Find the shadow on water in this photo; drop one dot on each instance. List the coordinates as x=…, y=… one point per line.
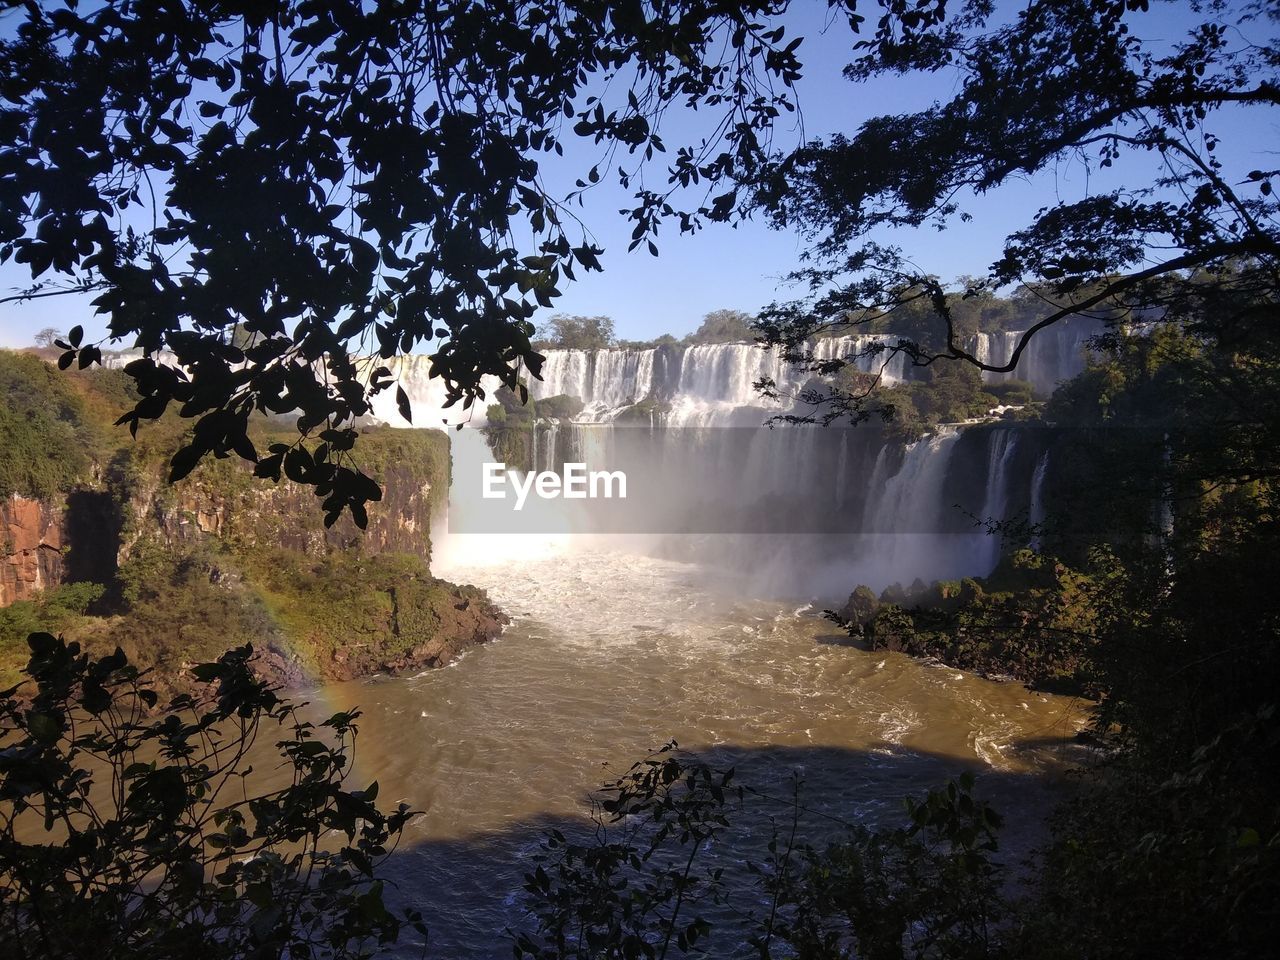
x=469, y=889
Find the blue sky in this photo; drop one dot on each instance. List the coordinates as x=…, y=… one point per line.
x=743, y=267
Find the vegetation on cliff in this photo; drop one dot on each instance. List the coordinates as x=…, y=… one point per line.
x=219, y=559
x=50, y=433
x=1034, y=619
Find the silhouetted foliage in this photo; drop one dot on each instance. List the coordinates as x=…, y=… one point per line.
x=267, y=192
x=931, y=888
x=1053, y=82
x=335, y=180
x=648, y=877
x=636, y=888
x=126, y=833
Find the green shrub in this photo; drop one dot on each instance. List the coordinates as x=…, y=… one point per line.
x=52, y=611
x=42, y=421
x=1011, y=392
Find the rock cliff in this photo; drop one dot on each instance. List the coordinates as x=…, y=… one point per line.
x=32, y=532
x=106, y=551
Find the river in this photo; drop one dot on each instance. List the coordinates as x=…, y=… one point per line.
x=610, y=654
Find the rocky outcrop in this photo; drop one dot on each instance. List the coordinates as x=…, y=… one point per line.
x=861, y=607
x=33, y=539
x=466, y=619
x=87, y=533
x=180, y=573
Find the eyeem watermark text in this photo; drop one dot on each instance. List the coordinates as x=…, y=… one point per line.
x=577, y=483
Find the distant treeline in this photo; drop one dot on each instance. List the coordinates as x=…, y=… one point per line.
x=973, y=308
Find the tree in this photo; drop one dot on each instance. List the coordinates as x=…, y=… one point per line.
x=1164, y=452
x=1088, y=82
x=340, y=179
x=723, y=326
x=578, y=333
x=47, y=337
x=344, y=180
x=126, y=833
x=654, y=863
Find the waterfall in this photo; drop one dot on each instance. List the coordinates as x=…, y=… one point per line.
x=995, y=509
x=1037, y=513
x=564, y=372
x=604, y=380
x=907, y=520
x=685, y=421
x=426, y=395
x=705, y=384
x=892, y=368
x=545, y=438
x=909, y=501
x=842, y=472
x=1053, y=355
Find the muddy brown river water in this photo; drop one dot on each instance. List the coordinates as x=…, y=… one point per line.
x=612, y=654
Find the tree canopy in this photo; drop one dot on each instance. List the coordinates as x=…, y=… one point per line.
x=578, y=333
x=47, y=337
x=182, y=854
x=722, y=326
x=1098, y=83
x=339, y=179
x=271, y=200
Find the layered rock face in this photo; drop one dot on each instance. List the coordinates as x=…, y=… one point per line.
x=222, y=559
x=83, y=536
x=227, y=504
x=33, y=539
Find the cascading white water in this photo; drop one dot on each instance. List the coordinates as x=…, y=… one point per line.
x=427, y=395
x=862, y=352
x=842, y=472
x=903, y=497
x=713, y=382
x=911, y=495
x=1051, y=356
x=906, y=515
x=1036, y=515
x=717, y=381
x=897, y=511
x=1003, y=445
x=564, y=372
x=604, y=380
